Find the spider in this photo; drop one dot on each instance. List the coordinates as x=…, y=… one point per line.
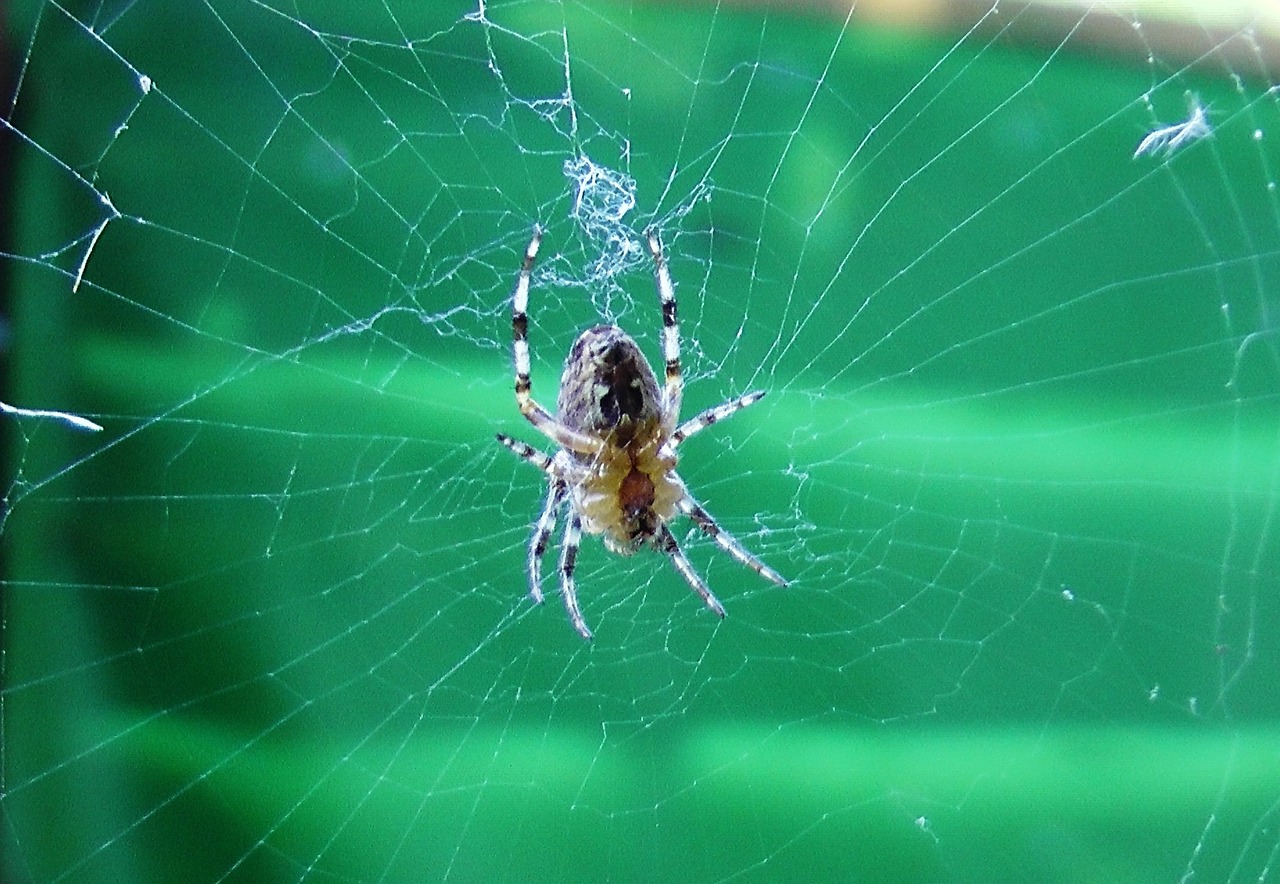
x=617, y=435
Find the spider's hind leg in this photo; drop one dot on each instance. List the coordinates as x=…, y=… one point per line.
x=568, y=561
x=556, y=493
x=542, y=536
x=668, y=544
x=727, y=541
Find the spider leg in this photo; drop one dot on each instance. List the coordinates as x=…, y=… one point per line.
x=529, y=407
x=726, y=541
x=556, y=494
x=542, y=536
x=568, y=561
x=674, y=389
x=711, y=415
x=668, y=544
x=526, y=452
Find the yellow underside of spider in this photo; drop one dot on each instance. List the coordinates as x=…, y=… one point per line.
x=625, y=490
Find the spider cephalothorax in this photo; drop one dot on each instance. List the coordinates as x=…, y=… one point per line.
x=617, y=432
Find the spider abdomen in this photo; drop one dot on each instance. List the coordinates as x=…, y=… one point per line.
x=608, y=388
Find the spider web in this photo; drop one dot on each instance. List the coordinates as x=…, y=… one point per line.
x=1009, y=281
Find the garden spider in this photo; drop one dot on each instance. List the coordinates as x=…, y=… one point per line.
x=617, y=436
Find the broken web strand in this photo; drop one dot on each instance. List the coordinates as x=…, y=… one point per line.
x=1168, y=139
x=72, y=420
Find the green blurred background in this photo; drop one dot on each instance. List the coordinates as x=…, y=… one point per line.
x=1019, y=455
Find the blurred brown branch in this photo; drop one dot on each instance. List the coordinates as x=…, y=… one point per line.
x=1242, y=36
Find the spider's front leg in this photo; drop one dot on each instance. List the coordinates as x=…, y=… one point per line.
x=674, y=389
x=529, y=407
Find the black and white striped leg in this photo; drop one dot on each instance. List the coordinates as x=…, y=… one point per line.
x=667, y=543
x=726, y=541
x=527, y=452
x=569, y=561
x=556, y=493
x=711, y=415
x=542, y=536
x=674, y=389
x=520, y=324
x=529, y=407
